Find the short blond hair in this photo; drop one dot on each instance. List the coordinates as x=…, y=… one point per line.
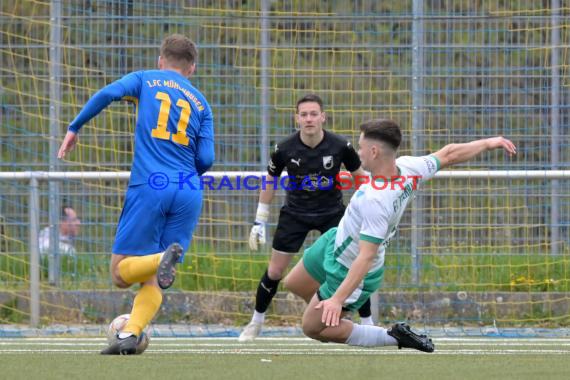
x=179, y=51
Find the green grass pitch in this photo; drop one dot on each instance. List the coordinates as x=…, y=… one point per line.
x=285, y=358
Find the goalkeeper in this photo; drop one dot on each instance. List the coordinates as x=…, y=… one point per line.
x=312, y=154
x=347, y=263
x=173, y=132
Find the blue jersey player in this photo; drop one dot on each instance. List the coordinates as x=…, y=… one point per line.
x=174, y=137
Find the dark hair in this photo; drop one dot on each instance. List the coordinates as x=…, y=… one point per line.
x=384, y=130
x=310, y=98
x=179, y=50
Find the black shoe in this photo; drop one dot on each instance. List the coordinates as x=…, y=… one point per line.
x=127, y=346
x=165, y=273
x=408, y=339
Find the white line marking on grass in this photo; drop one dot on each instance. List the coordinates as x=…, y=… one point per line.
x=40, y=340
x=288, y=346
x=490, y=340
x=344, y=352
x=49, y=344
x=48, y=351
x=278, y=352
x=197, y=343
x=493, y=340
x=251, y=346
x=297, y=352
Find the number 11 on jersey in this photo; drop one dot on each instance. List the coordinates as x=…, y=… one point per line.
x=160, y=132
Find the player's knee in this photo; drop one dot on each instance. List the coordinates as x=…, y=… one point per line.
x=311, y=331
x=278, y=264
x=118, y=281
x=275, y=273
x=120, y=284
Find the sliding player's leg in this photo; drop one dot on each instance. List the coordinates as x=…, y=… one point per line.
x=303, y=284
x=324, y=224
x=354, y=334
x=300, y=282
x=309, y=273
x=346, y=332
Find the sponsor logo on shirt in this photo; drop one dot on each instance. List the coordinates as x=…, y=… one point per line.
x=297, y=161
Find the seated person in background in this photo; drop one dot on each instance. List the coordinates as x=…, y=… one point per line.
x=68, y=231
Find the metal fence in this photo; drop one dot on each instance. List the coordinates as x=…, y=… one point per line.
x=447, y=71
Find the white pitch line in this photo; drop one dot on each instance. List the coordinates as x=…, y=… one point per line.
x=244, y=346
x=49, y=344
x=166, y=343
x=359, y=352
x=491, y=340
x=301, y=352
x=50, y=351
x=294, y=338
x=344, y=350
x=534, y=344
x=288, y=346
x=41, y=340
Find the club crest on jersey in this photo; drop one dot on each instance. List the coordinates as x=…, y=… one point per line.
x=328, y=162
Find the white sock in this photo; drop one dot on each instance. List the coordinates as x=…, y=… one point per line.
x=366, y=321
x=124, y=335
x=258, y=317
x=370, y=336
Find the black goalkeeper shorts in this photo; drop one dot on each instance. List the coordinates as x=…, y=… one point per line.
x=292, y=228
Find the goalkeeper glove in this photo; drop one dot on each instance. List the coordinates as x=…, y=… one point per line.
x=257, y=234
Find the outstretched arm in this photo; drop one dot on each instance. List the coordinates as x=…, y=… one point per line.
x=456, y=153
x=129, y=85
x=96, y=104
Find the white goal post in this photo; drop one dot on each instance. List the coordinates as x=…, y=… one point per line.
x=497, y=174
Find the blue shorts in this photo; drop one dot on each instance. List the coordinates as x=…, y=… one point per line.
x=153, y=219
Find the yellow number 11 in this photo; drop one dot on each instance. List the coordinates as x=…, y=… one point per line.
x=160, y=131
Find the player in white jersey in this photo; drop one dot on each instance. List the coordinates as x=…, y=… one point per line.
x=345, y=265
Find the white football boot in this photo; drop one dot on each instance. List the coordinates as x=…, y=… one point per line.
x=250, y=332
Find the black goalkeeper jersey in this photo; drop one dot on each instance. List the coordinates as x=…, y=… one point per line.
x=312, y=187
